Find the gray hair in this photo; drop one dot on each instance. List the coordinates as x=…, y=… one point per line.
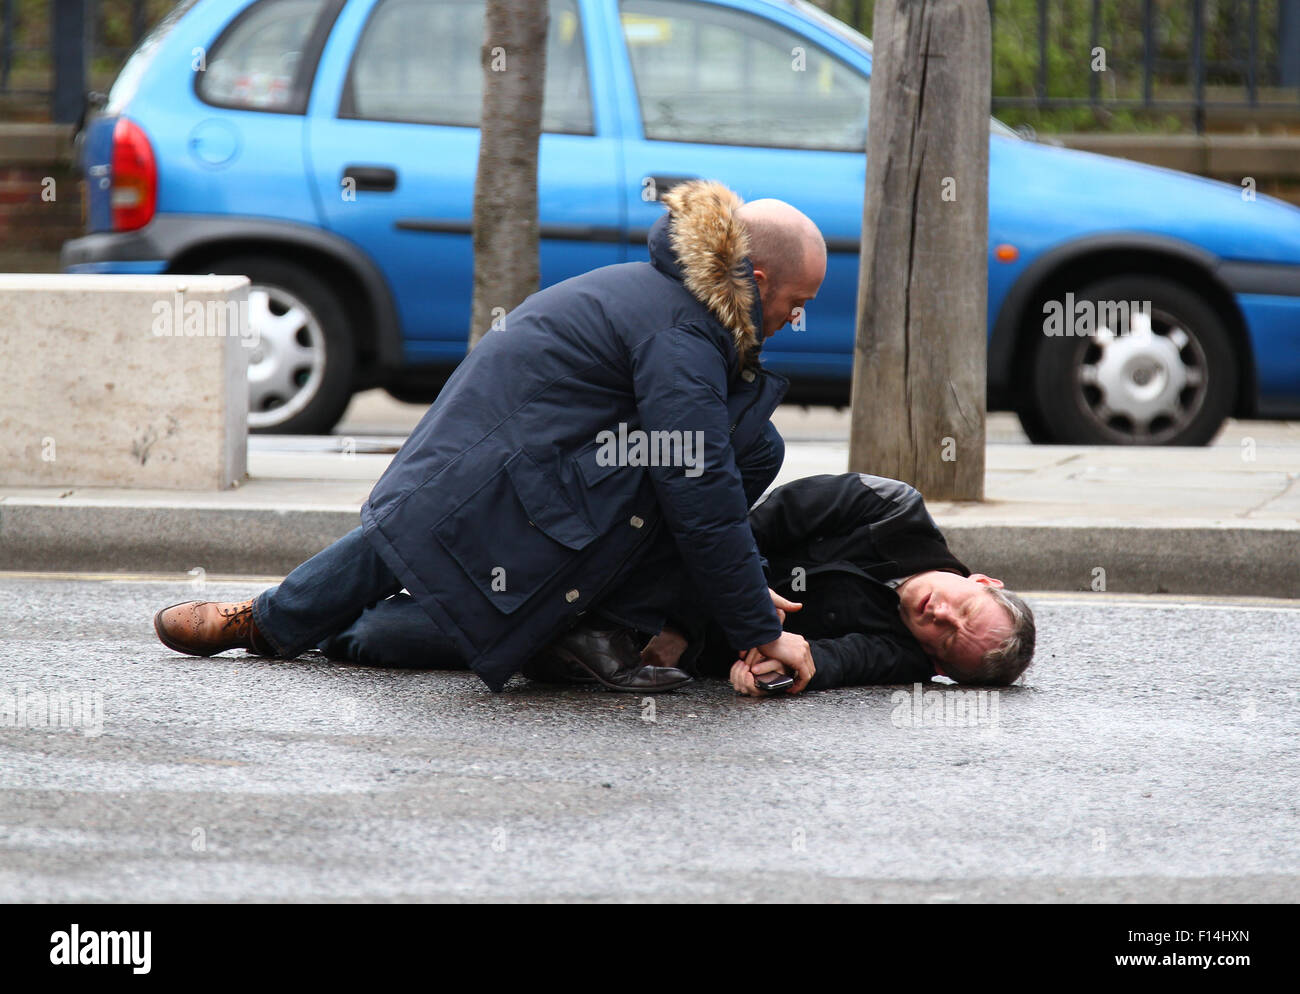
x=1004, y=664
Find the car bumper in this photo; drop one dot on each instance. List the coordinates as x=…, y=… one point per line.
x=1273, y=323
x=114, y=252
x=148, y=268
x=1268, y=295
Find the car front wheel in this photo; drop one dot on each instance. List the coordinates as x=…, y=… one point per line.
x=1135, y=361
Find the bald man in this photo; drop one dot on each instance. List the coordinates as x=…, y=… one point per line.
x=789, y=259
x=613, y=419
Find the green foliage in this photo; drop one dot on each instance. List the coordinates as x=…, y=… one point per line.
x=112, y=27
x=1070, y=57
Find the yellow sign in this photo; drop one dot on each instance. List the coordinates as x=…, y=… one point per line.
x=641, y=29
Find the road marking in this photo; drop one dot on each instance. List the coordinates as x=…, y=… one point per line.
x=1190, y=602
x=134, y=577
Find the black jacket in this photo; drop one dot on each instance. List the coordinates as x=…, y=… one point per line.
x=840, y=539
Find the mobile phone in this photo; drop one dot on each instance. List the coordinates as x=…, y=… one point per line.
x=773, y=682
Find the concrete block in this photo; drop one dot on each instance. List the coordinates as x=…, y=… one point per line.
x=124, y=381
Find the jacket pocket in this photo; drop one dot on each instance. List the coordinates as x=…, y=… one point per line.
x=514, y=533
x=588, y=460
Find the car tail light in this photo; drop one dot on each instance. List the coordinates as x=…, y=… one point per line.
x=135, y=177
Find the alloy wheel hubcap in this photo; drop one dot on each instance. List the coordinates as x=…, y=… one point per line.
x=1142, y=384
x=287, y=365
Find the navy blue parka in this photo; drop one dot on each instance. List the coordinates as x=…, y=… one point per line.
x=499, y=514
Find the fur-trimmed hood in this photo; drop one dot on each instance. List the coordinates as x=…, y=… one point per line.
x=702, y=243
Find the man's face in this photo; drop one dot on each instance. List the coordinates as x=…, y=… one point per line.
x=779, y=302
x=953, y=617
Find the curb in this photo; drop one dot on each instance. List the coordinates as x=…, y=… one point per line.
x=1234, y=559
x=123, y=538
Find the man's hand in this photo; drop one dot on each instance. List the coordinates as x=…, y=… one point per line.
x=790, y=649
x=743, y=675
x=782, y=605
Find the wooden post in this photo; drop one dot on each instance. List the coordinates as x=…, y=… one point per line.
x=919, y=367
x=506, y=265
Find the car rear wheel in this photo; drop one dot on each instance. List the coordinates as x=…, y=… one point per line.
x=1163, y=374
x=300, y=369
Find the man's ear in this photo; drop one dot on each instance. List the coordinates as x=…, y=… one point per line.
x=760, y=277
x=988, y=581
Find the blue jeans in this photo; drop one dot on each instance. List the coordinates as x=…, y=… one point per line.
x=346, y=602
x=321, y=604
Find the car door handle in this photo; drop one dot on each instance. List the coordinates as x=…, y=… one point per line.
x=374, y=179
x=661, y=183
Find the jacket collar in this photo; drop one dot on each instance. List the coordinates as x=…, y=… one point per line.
x=701, y=243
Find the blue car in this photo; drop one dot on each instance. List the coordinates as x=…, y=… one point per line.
x=327, y=150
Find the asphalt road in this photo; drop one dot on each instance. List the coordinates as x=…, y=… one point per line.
x=1152, y=755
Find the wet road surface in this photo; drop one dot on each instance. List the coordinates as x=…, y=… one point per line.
x=1152, y=755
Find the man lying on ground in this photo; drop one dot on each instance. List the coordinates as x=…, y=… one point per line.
x=862, y=578
x=883, y=599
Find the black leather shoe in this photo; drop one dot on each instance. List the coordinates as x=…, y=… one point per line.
x=548, y=667
x=609, y=657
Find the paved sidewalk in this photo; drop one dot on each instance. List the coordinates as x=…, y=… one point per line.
x=1223, y=519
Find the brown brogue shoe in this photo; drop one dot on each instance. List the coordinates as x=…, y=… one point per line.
x=204, y=628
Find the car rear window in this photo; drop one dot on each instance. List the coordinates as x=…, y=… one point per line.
x=266, y=57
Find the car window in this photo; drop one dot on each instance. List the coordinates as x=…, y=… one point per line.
x=419, y=61
x=712, y=74
x=265, y=58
